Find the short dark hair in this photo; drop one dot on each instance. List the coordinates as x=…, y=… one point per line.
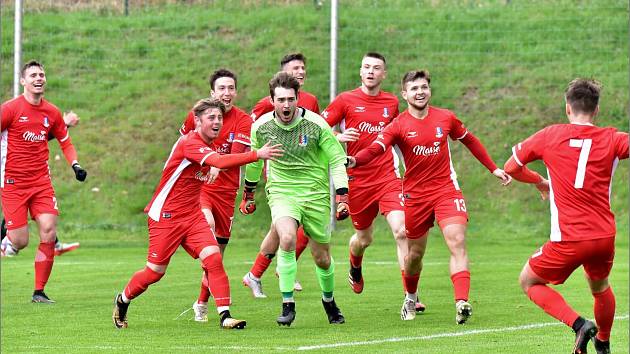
x=205, y=103
x=284, y=80
x=414, y=75
x=219, y=74
x=29, y=64
x=376, y=55
x=291, y=57
x=583, y=95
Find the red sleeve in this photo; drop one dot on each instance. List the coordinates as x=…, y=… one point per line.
x=189, y=124
x=521, y=173
x=335, y=112
x=242, y=140
x=458, y=131
x=379, y=146
x=479, y=151
x=530, y=149
x=229, y=160
x=60, y=131
x=263, y=106
x=621, y=145
x=7, y=117
x=316, y=106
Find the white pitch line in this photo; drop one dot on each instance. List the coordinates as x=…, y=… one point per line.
x=439, y=335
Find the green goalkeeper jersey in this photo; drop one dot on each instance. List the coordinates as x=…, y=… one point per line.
x=309, y=148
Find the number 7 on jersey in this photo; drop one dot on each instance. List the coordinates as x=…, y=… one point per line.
x=585, y=150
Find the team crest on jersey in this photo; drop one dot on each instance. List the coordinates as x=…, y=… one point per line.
x=438, y=132
x=231, y=137
x=303, y=140
x=46, y=124
x=385, y=112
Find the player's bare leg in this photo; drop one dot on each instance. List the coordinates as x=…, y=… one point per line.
x=358, y=243
x=413, y=268
x=455, y=237
x=15, y=241
x=287, y=267
x=325, y=270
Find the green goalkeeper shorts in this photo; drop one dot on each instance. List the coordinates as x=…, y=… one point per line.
x=314, y=215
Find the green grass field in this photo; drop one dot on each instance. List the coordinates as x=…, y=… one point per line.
x=501, y=66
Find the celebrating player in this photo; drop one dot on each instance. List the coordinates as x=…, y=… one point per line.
x=175, y=216
x=71, y=119
x=430, y=185
x=362, y=114
x=294, y=64
x=297, y=189
x=580, y=160
x=219, y=194
x=26, y=186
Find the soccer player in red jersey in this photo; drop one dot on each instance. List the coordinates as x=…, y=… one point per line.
x=71, y=119
x=175, y=216
x=362, y=114
x=25, y=178
x=219, y=194
x=580, y=159
x=430, y=185
x=294, y=64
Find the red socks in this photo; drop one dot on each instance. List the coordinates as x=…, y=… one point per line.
x=140, y=281
x=43, y=263
x=355, y=261
x=204, y=292
x=604, y=310
x=217, y=279
x=552, y=303
x=260, y=265
x=301, y=243
x=461, y=285
x=410, y=283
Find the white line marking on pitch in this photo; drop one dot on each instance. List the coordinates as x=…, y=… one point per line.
x=439, y=335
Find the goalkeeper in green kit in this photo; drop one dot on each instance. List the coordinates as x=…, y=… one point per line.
x=297, y=188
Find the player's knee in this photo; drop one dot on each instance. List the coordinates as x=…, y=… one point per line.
x=47, y=233
x=400, y=234
x=18, y=242
x=207, y=251
x=322, y=260
x=364, y=239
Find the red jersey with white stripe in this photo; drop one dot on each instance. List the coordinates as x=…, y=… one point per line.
x=425, y=148
x=25, y=128
x=580, y=160
x=369, y=115
x=234, y=132
x=177, y=194
x=305, y=100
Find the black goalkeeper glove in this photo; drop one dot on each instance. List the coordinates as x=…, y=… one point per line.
x=79, y=172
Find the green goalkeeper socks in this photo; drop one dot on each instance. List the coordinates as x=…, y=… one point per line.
x=287, y=269
x=326, y=278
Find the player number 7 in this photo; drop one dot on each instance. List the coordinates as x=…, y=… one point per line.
x=585, y=149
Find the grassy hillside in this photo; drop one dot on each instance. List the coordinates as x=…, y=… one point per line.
x=501, y=67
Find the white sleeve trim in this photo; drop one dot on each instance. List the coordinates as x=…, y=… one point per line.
x=242, y=142
x=205, y=157
x=518, y=162
x=463, y=136
x=65, y=138
x=381, y=144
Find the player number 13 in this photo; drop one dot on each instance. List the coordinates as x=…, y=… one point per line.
x=585, y=149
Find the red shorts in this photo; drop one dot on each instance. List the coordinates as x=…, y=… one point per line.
x=18, y=202
x=421, y=213
x=555, y=261
x=221, y=203
x=193, y=234
x=366, y=202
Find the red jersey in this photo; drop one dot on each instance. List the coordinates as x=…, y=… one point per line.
x=580, y=160
x=177, y=194
x=305, y=100
x=233, y=138
x=369, y=115
x=426, y=151
x=24, y=146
